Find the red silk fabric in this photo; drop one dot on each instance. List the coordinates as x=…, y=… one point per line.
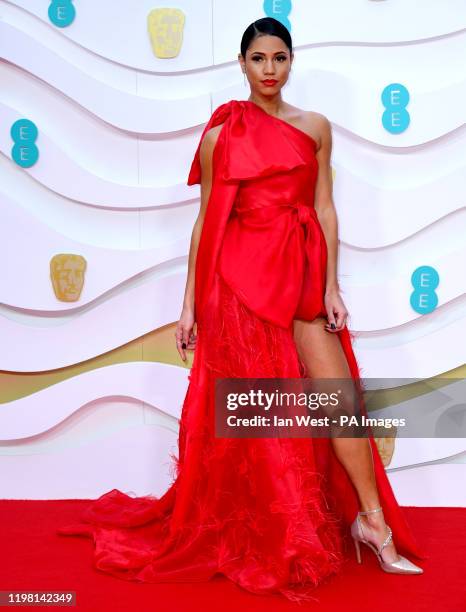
x=264, y=213
x=271, y=514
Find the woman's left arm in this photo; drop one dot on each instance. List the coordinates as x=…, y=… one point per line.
x=326, y=213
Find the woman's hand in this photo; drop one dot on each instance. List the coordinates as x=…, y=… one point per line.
x=185, y=338
x=336, y=310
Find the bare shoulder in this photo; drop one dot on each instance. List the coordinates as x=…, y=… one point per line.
x=319, y=128
x=316, y=125
x=321, y=121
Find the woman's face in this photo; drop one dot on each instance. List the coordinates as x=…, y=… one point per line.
x=267, y=64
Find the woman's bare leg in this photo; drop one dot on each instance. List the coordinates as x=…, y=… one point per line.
x=324, y=357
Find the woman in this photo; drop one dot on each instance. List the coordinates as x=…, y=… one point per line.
x=272, y=514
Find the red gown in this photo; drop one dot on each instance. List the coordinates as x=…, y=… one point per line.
x=271, y=514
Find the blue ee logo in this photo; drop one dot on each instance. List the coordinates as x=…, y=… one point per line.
x=425, y=280
x=61, y=13
x=279, y=10
x=395, y=98
x=24, y=135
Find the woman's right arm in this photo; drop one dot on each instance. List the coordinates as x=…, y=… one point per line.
x=184, y=334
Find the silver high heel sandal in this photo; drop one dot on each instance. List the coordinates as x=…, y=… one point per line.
x=401, y=566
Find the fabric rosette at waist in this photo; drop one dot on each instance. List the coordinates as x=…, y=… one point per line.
x=267, y=252
x=304, y=212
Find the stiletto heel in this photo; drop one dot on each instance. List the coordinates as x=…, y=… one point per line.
x=358, y=551
x=401, y=566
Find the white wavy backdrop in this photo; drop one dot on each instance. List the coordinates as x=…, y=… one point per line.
x=117, y=131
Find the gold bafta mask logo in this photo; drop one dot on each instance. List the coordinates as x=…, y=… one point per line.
x=386, y=448
x=165, y=27
x=67, y=275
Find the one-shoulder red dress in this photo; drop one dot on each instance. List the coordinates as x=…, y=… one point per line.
x=271, y=514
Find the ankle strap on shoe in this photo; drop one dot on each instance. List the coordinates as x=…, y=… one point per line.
x=379, y=509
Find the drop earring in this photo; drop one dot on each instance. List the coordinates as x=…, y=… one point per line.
x=244, y=75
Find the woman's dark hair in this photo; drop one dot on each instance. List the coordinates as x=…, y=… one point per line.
x=266, y=25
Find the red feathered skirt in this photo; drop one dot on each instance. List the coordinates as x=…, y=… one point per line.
x=271, y=514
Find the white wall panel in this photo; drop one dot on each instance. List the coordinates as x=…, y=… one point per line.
x=118, y=128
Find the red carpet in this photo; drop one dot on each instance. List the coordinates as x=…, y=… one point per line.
x=33, y=557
